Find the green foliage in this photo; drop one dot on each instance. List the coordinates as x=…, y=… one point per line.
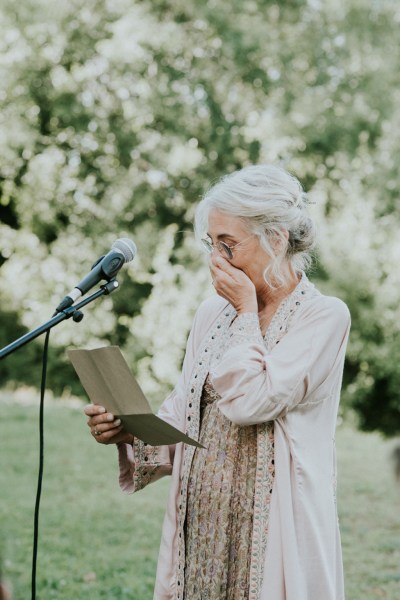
x=116, y=116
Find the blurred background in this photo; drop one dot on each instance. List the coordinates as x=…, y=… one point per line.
x=117, y=115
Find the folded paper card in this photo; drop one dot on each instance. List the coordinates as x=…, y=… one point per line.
x=108, y=381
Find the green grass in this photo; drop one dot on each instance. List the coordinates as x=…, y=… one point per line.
x=369, y=512
x=96, y=542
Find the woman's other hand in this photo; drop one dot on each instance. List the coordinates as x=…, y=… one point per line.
x=233, y=285
x=104, y=427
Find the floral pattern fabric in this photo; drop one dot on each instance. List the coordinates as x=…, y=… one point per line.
x=220, y=507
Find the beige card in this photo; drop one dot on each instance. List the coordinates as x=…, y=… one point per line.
x=108, y=381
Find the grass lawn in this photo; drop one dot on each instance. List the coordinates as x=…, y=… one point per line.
x=97, y=543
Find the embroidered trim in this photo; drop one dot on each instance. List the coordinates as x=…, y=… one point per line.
x=283, y=316
x=265, y=476
x=197, y=379
x=142, y=476
x=146, y=463
x=244, y=329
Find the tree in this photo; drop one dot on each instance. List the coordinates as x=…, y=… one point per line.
x=117, y=118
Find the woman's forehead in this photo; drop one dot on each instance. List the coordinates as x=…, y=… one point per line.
x=220, y=223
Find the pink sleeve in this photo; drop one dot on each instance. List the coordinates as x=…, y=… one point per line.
x=257, y=385
x=140, y=463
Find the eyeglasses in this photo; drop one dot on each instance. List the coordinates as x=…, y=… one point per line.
x=222, y=247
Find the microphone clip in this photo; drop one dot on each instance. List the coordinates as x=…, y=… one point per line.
x=110, y=286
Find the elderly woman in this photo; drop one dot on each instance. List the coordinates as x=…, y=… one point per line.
x=253, y=514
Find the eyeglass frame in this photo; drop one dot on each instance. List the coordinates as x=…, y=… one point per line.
x=222, y=246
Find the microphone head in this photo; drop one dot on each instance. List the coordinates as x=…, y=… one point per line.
x=126, y=247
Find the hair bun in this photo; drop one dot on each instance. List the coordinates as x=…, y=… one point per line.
x=302, y=239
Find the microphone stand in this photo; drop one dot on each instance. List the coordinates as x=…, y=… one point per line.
x=67, y=313
x=60, y=315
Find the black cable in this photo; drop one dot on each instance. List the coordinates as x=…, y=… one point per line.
x=41, y=462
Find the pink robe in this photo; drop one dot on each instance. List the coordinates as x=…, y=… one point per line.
x=292, y=377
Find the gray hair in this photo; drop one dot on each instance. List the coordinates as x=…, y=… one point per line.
x=270, y=201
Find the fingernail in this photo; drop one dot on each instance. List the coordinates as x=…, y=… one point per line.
x=102, y=409
x=117, y=422
x=110, y=417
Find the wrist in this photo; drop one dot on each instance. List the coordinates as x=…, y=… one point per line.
x=127, y=439
x=247, y=308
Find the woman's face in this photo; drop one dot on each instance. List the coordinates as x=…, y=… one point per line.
x=248, y=256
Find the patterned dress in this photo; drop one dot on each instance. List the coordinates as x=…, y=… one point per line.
x=220, y=504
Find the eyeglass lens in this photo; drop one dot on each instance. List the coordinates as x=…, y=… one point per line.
x=225, y=248
x=221, y=247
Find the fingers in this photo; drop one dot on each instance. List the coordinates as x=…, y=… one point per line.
x=108, y=436
x=93, y=409
x=218, y=272
x=116, y=436
x=102, y=422
x=97, y=414
x=99, y=419
x=102, y=418
x=233, y=284
x=222, y=280
x=222, y=269
x=104, y=427
x=215, y=267
x=223, y=264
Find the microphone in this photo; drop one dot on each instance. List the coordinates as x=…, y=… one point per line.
x=106, y=267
